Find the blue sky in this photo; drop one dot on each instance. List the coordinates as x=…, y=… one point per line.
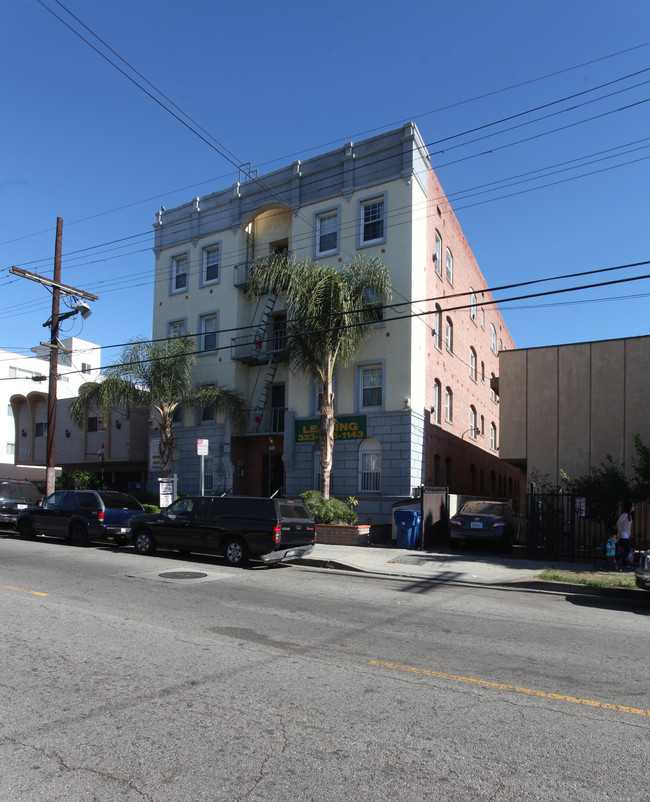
x=276, y=82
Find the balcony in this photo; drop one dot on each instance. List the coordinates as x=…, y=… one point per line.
x=242, y=275
x=267, y=421
x=255, y=349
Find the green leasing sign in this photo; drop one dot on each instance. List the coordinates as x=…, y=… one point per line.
x=350, y=427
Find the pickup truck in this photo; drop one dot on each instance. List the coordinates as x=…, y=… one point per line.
x=80, y=516
x=235, y=527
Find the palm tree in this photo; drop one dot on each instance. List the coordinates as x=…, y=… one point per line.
x=157, y=376
x=330, y=310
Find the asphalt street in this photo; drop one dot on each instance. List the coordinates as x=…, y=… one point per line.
x=126, y=677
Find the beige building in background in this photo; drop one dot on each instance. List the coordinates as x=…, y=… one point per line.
x=566, y=407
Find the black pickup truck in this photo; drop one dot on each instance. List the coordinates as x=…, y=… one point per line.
x=236, y=527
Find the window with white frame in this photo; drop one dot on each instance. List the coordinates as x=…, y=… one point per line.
x=483, y=318
x=211, y=264
x=449, y=405
x=376, y=310
x=10, y=411
x=473, y=424
x=176, y=328
x=370, y=466
x=371, y=386
x=493, y=437
x=449, y=335
x=437, y=324
x=493, y=395
x=373, y=221
x=327, y=232
x=493, y=339
x=473, y=309
x=437, y=395
x=11, y=449
x=209, y=332
x=438, y=254
x=179, y=272
x=472, y=364
x=449, y=262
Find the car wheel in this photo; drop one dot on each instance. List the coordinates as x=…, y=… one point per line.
x=235, y=552
x=79, y=535
x=25, y=529
x=144, y=542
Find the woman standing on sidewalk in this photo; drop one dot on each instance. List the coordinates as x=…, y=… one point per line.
x=624, y=547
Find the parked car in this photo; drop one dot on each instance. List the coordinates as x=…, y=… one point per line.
x=235, y=527
x=81, y=516
x=642, y=573
x=16, y=495
x=485, y=520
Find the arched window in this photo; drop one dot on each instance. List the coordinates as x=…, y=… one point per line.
x=437, y=395
x=449, y=405
x=493, y=339
x=370, y=466
x=483, y=371
x=493, y=437
x=437, y=325
x=449, y=260
x=438, y=254
x=472, y=364
x=473, y=313
x=449, y=335
x=473, y=428
x=493, y=395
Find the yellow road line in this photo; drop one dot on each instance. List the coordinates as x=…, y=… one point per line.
x=503, y=687
x=24, y=590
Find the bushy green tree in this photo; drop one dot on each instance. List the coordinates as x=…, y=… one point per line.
x=327, y=510
x=157, y=376
x=603, y=489
x=330, y=310
x=642, y=469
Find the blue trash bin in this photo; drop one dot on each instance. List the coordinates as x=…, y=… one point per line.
x=407, y=523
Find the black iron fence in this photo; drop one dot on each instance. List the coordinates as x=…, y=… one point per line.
x=558, y=528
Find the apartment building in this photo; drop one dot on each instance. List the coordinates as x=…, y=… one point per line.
x=415, y=406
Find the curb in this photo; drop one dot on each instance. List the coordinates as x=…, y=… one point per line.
x=628, y=594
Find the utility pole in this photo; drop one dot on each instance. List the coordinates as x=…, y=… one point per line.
x=53, y=324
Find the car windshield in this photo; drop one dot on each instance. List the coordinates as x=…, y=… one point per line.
x=294, y=511
x=482, y=508
x=21, y=490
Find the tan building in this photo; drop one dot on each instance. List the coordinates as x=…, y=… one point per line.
x=566, y=407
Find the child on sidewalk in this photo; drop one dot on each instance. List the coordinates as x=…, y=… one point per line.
x=609, y=551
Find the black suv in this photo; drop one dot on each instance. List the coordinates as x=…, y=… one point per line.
x=81, y=516
x=16, y=495
x=236, y=527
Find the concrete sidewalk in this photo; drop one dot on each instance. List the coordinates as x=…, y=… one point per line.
x=481, y=569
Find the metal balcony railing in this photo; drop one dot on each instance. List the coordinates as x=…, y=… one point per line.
x=267, y=421
x=254, y=349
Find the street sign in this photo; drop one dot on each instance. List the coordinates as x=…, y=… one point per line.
x=202, y=447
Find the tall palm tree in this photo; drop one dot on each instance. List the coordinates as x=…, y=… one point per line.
x=157, y=376
x=330, y=310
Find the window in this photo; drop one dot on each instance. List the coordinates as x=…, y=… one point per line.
x=493, y=437
x=483, y=318
x=449, y=405
x=438, y=254
x=209, y=332
x=482, y=372
x=177, y=414
x=473, y=313
x=211, y=264
x=500, y=345
x=473, y=428
x=437, y=394
x=372, y=221
x=371, y=382
x=179, y=272
x=11, y=449
x=472, y=364
x=376, y=310
x=482, y=425
x=370, y=466
x=85, y=367
x=207, y=413
x=449, y=260
x=316, y=388
x=327, y=233
x=208, y=479
x=449, y=335
x=96, y=424
x=10, y=411
x=40, y=430
x=493, y=395
x=437, y=325
x=493, y=339
x=176, y=328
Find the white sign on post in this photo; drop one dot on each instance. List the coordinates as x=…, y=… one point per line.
x=202, y=447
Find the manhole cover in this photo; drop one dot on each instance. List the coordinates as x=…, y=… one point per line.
x=183, y=575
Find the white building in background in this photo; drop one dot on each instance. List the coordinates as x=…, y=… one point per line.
x=26, y=378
